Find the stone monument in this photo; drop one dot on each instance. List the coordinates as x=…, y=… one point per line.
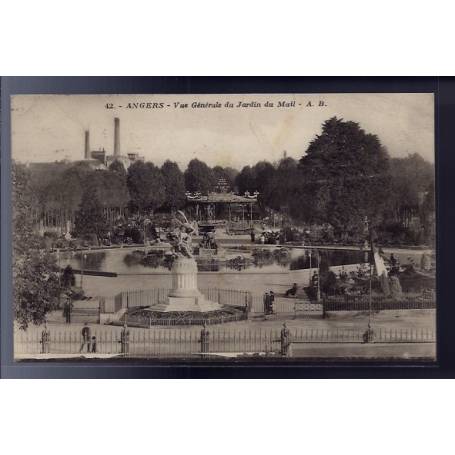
x=185, y=295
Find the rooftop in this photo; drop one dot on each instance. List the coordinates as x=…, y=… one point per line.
x=221, y=198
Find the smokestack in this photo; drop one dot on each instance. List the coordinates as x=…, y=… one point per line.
x=116, y=137
x=87, y=145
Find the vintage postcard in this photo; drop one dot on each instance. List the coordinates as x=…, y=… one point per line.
x=288, y=227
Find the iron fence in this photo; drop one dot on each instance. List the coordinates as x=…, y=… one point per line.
x=147, y=320
x=362, y=303
x=148, y=297
x=171, y=342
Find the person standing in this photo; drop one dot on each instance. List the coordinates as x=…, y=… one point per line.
x=271, y=302
x=253, y=235
x=85, y=337
x=93, y=344
x=67, y=308
x=45, y=340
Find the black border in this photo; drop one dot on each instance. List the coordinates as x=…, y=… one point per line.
x=444, y=90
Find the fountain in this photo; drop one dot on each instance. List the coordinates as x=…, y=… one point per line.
x=185, y=296
x=185, y=303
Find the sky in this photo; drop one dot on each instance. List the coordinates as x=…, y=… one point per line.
x=51, y=127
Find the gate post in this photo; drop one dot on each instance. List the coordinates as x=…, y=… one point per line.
x=369, y=335
x=125, y=340
x=247, y=303
x=285, y=341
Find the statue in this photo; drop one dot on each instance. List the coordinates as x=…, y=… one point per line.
x=395, y=287
x=425, y=262
x=182, y=239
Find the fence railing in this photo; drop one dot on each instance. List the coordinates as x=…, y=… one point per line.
x=148, y=297
x=177, y=342
x=146, y=319
x=136, y=298
x=362, y=303
x=129, y=299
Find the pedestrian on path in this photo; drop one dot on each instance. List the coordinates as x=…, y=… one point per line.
x=93, y=343
x=85, y=337
x=67, y=308
x=45, y=340
x=271, y=302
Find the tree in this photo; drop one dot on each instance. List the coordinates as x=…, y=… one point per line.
x=199, y=177
x=345, y=177
x=72, y=184
x=174, y=185
x=226, y=173
x=411, y=179
x=246, y=180
x=89, y=219
x=264, y=172
x=36, y=286
x=427, y=214
x=59, y=187
x=146, y=186
x=280, y=186
x=230, y=174
x=110, y=186
x=117, y=167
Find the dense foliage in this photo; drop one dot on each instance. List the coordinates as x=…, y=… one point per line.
x=90, y=219
x=199, y=177
x=36, y=286
x=146, y=186
x=346, y=172
x=344, y=175
x=174, y=186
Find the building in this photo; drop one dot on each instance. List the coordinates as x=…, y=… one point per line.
x=222, y=206
x=222, y=186
x=99, y=159
x=99, y=155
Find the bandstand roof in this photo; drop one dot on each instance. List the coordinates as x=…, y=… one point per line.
x=221, y=198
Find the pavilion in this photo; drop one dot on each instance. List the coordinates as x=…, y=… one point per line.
x=231, y=207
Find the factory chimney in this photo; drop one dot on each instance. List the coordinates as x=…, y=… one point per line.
x=87, y=145
x=116, y=137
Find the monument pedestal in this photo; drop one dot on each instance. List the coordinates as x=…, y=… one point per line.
x=185, y=295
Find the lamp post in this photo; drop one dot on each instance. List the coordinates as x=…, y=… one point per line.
x=309, y=278
x=319, y=278
x=369, y=300
x=59, y=278
x=368, y=337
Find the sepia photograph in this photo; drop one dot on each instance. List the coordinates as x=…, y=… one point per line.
x=227, y=227
x=223, y=227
